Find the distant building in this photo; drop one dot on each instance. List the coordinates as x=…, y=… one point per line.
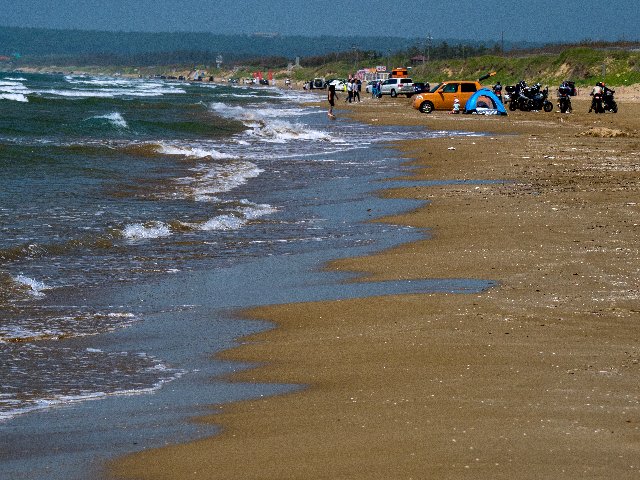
x=418, y=59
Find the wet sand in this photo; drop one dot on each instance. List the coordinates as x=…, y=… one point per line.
x=535, y=378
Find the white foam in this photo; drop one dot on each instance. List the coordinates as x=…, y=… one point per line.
x=280, y=131
x=234, y=221
x=137, y=231
x=222, y=222
x=115, y=118
x=62, y=400
x=12, y=79
x=194, y=152
x=99, y=81
x=16, y=97
x=251, y=210
x=13, y=90
x=121, y=315
x=258, y=113
x=147, y=91
x=214, y=179
x=35, y=287
x=235, y=112
x=34, y=329
x=266, y=123
x=123, y=84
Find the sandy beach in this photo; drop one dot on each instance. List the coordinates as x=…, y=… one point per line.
x=535, y=378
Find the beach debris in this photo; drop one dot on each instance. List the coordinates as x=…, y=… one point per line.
x=451, y=148
x=603, y=132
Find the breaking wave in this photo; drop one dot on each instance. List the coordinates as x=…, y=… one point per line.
x=193, y=152
x=114, y=118
x=31, y=286
x=12, y=89
x=210, y=180
x=16, y=97
x=139, y=231
x=265, y=125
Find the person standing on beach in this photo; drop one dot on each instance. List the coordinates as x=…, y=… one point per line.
x=349, y=92
x=357, y=86
x=331, y=98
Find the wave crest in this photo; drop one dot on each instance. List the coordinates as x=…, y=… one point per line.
x=115, y=118
x=139, y=231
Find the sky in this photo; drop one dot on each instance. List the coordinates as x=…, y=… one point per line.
x=530, y=20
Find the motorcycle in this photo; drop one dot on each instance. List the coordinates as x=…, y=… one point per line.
x=564, y=98
x=596, y=103
x=608, y=102
x=522, y=97
x=539, y=98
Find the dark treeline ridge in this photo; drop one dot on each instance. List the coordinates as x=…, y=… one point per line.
x=42, y=46
x=437, y=51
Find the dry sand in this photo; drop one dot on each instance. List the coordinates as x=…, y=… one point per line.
x=538, y=378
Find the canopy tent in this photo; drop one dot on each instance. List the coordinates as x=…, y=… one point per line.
x=484, y=102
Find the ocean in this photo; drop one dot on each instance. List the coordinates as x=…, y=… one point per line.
x=136, y=215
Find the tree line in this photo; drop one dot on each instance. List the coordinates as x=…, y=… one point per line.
x=42, y=46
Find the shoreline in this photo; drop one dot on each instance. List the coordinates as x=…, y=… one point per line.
x=623, y=93
x=535, y=378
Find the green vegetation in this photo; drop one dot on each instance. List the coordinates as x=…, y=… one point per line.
x=582, y=64
x=330, y=57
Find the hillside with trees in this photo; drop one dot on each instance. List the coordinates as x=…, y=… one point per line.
x=37, y=46
x=430, y=60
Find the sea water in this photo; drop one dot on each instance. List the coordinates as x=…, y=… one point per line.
x=134, y=211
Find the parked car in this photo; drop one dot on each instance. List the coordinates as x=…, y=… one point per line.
x=441, y=96
x=341, y=85
x=319, y=82
x=421, y=87
x=397, y=86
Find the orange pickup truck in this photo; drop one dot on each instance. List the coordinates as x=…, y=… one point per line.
x=441, y=96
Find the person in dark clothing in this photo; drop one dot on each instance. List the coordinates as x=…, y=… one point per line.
x=331, y=98
x=497, y=90
x=349, y=91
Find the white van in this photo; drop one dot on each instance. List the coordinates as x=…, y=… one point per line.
x=397, y=86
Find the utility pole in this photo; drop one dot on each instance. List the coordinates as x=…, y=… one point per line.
x=355, y=52
x=502, y=43
x=429, y=38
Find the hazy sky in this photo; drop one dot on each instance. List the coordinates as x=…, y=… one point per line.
x=534, y=20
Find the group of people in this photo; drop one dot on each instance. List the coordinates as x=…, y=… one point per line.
x=375, y=89
x=354, y=87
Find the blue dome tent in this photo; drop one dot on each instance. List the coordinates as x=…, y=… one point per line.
x=484, y=102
